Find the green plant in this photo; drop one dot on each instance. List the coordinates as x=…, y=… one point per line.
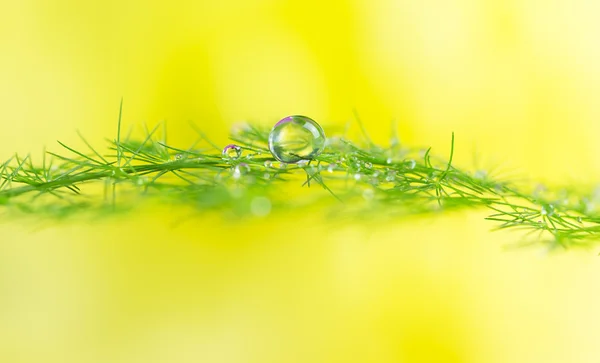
x=368, y=179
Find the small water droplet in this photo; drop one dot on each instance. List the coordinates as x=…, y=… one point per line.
x=579, y=220
x=295, y=138
x=178, y=156
x=368, y=165
x=302, y=163
x=268, y=164
x=547, y=210
x=411, y=164
x=480, y=174
x=267, y=176
x=260, y=206
x=388, y=161
x=331, y=167
x=391, y=176
x=357, y=176
x=232, y=151
x=240, y=169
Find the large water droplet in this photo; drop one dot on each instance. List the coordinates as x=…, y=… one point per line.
x=232, y=151
x=296, y=138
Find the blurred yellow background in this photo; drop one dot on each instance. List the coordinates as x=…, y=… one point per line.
x=517, y=80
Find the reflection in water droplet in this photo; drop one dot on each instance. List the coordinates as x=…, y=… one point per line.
x=295, y=138
x=232, y=151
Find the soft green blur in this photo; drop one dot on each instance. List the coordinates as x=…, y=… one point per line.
x=516, y=80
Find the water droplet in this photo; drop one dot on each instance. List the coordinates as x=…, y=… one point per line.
x=260, y=206
x=547, y=210
x=295, y=138
x=480, y=174
x=268, y=164
x=388, y=161
x=579, y=220
x=331, y=167
x=391, y=176
x=240, y=169
x=178, y=157
x=232, y=151
x=411, y=164
x=357, y=176
x=368, y=165
x=302, y=163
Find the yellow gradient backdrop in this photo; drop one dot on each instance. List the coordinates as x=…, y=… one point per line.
x=516, y=80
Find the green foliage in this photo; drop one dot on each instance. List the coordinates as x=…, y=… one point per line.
x=366, y=181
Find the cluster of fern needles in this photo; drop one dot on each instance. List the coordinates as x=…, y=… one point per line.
x=358, y=178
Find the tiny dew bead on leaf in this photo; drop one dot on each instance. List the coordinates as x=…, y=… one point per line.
x=296, y=138
x=232, y=151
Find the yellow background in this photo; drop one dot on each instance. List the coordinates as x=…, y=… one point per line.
x=517, y=80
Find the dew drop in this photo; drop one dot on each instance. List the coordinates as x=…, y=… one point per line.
x=302, y=163
x=232, y=151
x=480, y=174
x=240, y=169
x=388, y=161
x=357, y=176
x=391, y=176
x=296, y=138
x=331, y=167
x=368, y=165
x=579, y=220
x=178, y=157
x=547, y=210
x=268, y=164
x=411, y=164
